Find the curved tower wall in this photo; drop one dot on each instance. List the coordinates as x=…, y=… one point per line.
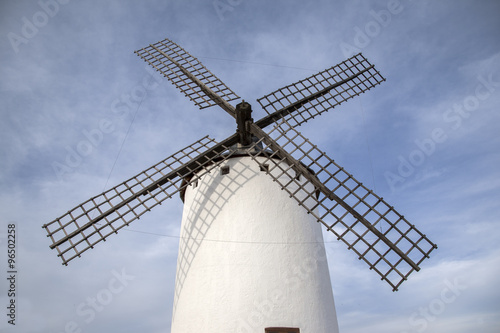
x=249, y=258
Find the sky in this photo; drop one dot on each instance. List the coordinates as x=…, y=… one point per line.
x=426, y=140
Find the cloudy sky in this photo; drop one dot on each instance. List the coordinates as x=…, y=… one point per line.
x=427, y=140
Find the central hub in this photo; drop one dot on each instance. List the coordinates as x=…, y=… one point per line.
x=244, y=120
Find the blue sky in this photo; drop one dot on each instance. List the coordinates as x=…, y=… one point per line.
x=427, y=140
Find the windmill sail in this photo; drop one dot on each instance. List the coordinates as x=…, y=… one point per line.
x=369, y=226
x=188, y=74
x=310, y=97
x=101, y=216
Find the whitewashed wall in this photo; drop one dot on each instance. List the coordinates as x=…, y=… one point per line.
x=250, y=257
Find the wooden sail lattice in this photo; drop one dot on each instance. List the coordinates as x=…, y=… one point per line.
x=186, y=72
x=368, y=225
x=312, y=96
x=91, y=222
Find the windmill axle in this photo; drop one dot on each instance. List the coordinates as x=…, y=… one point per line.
x=244, y=121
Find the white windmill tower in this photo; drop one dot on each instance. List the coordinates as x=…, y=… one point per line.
x=251, y=255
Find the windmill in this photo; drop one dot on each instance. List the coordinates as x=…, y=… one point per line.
x=251, y=255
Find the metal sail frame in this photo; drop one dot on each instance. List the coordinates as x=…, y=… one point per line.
x=379, y=235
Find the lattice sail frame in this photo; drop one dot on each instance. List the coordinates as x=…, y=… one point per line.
x=184, y=70
x=330, y=88
x=394, y=259
x=103, y=215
